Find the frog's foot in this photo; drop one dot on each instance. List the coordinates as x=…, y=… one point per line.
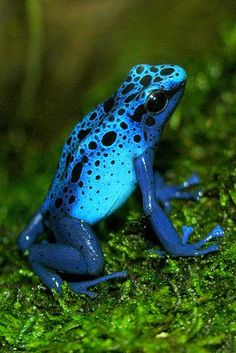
x=195, y=249
x=165, y=193
x=46, y=259
x=82, y=287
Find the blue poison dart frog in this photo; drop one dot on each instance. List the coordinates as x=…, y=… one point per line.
x=107, y=155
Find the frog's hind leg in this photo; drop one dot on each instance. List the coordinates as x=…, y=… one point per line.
x=76, y=251
x=28, y=236
x=166, y=193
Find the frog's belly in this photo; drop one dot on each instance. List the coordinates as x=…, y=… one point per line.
x=100, y=198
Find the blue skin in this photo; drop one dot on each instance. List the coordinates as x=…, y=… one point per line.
x=107, y=155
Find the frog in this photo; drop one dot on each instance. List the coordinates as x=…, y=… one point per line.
x=110, y=153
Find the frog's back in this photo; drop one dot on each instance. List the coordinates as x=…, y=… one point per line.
x=96, y=173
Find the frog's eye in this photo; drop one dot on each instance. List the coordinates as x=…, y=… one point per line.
x=156, y=102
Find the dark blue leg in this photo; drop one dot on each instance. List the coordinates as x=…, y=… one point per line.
x=81, y=287
x=166, y=193
x=77, y=251
x=161, y=224
x=28, y=236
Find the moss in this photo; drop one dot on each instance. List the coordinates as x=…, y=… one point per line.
x=165, y=304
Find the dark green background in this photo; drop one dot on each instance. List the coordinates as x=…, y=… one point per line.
x=60, y=58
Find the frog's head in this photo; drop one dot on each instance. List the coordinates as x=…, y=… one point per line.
x=150, y=95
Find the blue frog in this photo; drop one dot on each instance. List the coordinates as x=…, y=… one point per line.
x=107, y=155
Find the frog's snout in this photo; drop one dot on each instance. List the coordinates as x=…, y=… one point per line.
x=180, y=75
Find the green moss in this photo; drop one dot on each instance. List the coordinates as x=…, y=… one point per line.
x=165, y=304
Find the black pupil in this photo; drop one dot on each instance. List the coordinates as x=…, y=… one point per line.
x=156, y=102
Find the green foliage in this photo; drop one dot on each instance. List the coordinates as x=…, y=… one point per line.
x=165, y=304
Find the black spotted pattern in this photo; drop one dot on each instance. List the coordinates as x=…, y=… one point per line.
x=130, y=98
x=69, y=141
x=109, y=138
x=58, y=202
x=157, y=79
x=166, y=72
x=123, y=125
x=88, y=169
x=83, y=133
x=146, y=80
x=138, y=113
x=68, y=159
x=93, y=116
x=139, y=69
x=121, y=111
x=72, y=199
x=108, y=104
x=92, y=145
x=137, y=138
x=76, y=172
x=128, y=88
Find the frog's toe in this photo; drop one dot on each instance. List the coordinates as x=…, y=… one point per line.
x=184, y=195
x=211, y=248
x=217, y=232
x=82, y=288
x=197, y=195
x=165, y=194
x=194, y=179
x=186, y=232
x=195, y=249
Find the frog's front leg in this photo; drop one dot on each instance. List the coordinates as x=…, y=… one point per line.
x=76, y=251
x=161, y=224
x=166, y=193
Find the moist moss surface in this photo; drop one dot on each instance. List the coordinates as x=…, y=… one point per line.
x=165, y=304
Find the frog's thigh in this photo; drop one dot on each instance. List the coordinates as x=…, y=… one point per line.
x=76, y=251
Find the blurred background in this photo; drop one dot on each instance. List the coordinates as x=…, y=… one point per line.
x=59, y=58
